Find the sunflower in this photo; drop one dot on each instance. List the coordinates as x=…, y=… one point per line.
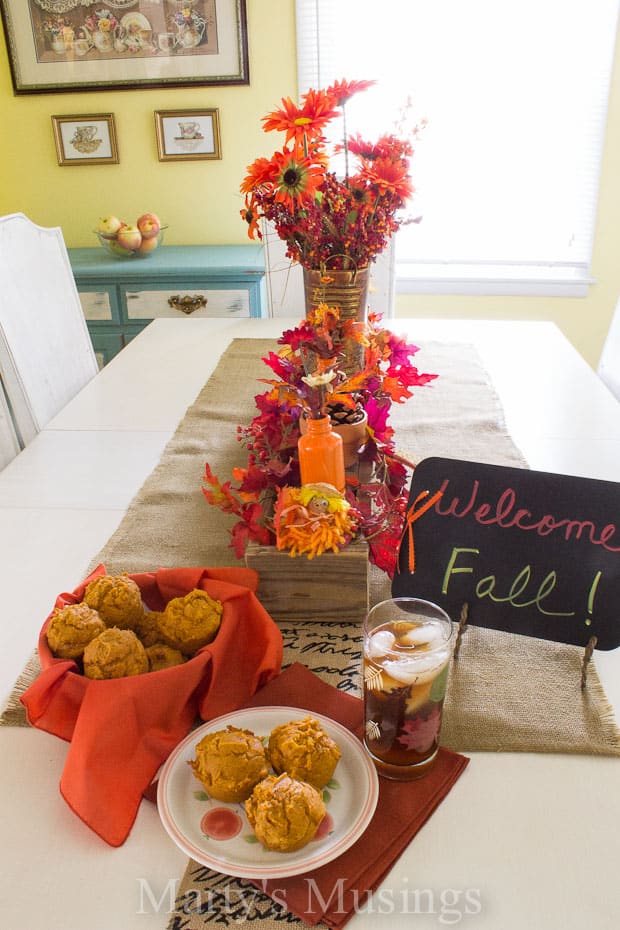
x=358, y=192
x=297, y=179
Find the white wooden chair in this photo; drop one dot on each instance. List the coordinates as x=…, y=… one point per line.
x=9, y=443
x=46, y=355
x=609, y=362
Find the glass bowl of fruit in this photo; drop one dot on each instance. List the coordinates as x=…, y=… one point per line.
x=130, y=240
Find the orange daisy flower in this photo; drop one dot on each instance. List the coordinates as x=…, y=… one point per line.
x=251, y=217
x=308, y=120
x=342, y=91
x=392, y=176
x=385, y=147
x=260, y=172
x=366, y=150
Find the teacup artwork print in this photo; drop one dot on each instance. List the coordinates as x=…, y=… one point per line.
x=85, y=139
x=187, y=134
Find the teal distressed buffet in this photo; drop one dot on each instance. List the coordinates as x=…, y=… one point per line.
x=120, y=296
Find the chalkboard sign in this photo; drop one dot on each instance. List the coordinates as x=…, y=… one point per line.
x=530, y=552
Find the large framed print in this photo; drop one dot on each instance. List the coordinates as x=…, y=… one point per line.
x=75, y=45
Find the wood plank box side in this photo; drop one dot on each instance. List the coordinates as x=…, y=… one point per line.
x=331, y=587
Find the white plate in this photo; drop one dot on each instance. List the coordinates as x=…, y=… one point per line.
x=351, y=799
x=136, y=19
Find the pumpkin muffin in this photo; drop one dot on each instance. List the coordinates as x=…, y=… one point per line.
x=117, y=599
x=114, y=654
x=162, y=656
x=284, y=813
x=71, y=629
x=190, y=622
x=229, y=763
x=147, y=628
x=303, y=749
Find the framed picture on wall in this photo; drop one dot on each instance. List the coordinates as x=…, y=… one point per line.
x=73, y=45
x=187, y=135
x=85, y=139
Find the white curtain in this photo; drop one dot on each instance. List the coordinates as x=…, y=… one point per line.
x=515, y=97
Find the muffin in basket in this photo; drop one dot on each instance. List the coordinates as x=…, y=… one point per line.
x=114, y=654
x=71, y=629
x=162, y=656
x=117, y=599
x=147, y=628
x=190, y=622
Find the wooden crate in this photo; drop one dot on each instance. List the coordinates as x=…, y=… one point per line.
x=333, y=586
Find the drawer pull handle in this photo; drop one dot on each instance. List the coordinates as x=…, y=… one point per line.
x=188, y=303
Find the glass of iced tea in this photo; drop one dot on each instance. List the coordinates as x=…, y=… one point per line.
x=407, y=649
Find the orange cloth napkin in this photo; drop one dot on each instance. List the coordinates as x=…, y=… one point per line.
x=122, y=729
x=403, y=808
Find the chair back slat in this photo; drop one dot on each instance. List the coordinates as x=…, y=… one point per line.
x=46, y=355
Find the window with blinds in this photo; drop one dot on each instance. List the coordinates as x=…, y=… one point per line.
x=514, y=96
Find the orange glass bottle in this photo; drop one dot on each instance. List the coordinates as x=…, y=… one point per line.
x=321, y=456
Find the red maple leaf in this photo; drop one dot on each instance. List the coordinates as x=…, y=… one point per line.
x=420, y=733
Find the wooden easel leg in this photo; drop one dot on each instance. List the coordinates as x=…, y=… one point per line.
x=461, y=629
x=587, y=655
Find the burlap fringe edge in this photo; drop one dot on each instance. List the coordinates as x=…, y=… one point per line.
x=609, y=726
x=13, y=713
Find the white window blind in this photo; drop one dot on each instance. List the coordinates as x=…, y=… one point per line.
x=515, y=97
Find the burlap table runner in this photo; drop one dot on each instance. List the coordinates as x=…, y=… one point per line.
x=508, y=692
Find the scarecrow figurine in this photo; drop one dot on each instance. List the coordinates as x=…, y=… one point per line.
x=313, y=519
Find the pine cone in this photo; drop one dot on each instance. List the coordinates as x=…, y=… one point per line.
x=339, y=414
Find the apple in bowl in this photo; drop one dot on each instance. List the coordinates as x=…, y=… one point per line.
x=117, y=249
x=129, y=237
x=149, y=225
x=130, y=240
x=109, y=226
x=148, y=245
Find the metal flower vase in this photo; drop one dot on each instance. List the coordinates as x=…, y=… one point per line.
x=347, y=290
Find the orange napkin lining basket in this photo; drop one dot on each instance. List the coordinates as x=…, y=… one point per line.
x=122, y=729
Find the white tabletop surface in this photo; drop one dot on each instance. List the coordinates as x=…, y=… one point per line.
x=521, y=841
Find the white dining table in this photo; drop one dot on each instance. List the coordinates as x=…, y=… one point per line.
x=522, y=840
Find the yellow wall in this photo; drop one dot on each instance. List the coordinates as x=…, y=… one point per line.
x=200, y=200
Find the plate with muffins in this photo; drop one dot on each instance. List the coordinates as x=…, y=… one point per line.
x=267, y=792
